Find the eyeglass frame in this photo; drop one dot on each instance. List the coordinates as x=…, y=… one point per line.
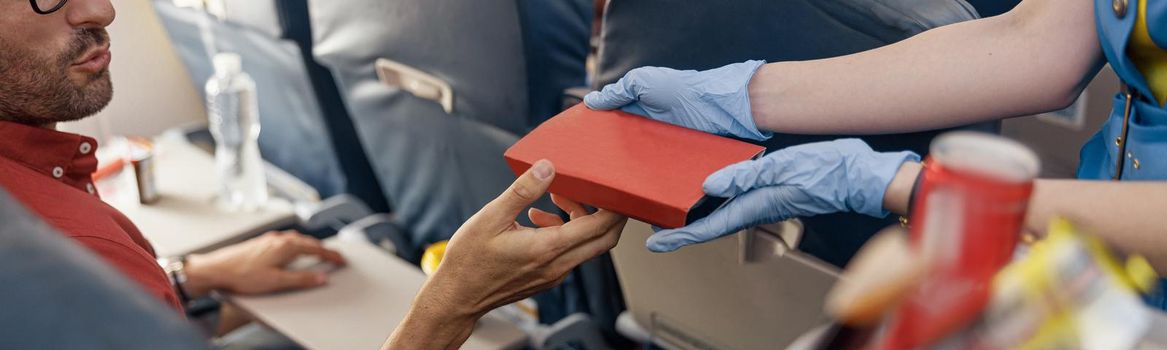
x=36, y=8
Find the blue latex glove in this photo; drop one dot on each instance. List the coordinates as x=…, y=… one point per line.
x=805, y=180
x=715, y=101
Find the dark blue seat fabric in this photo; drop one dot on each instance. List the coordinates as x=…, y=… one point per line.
x=990, y=8
x=556, y=38
x=306, y=129
x=707, y=34
x=57, y=295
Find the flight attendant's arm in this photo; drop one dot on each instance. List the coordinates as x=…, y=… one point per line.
x=1036, y=58
x=1128, y=215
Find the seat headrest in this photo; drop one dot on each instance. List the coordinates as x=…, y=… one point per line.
x=474, y=46
x=261, y=15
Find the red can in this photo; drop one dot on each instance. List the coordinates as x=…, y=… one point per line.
x=968, y=214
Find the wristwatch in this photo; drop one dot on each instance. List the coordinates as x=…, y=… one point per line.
x=175, y=269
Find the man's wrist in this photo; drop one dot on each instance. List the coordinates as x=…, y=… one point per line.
x=441, y=300
x=899, y=191
x=201, y=278
x=436, y=320
x=175, y=269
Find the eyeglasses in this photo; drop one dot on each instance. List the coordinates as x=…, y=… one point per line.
x=45, y=7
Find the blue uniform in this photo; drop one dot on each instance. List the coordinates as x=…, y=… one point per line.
x=1132, y=145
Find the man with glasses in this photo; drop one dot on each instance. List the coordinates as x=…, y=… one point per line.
x=54, y=67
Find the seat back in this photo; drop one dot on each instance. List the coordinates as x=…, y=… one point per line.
x=306, y=129
x=745, y=291
x=57, y=295
x=707, y=34
x=440, y=167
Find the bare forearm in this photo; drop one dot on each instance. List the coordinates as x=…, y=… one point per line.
x=1128, y=215
x=422, y=331
x=433, y=322
x=1033, y=59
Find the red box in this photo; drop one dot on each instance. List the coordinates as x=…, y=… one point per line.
x=645, y=169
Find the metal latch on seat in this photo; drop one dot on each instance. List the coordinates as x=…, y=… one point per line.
x=758, y=243
x=416, y=82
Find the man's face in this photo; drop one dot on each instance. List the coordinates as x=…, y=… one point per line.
x=54, y=68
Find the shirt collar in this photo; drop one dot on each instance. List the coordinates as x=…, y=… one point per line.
x=60, y=155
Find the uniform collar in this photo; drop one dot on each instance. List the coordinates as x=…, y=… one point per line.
x=59, y=155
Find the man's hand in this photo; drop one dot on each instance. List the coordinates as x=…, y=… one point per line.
x=257, y=265
x=493, y=261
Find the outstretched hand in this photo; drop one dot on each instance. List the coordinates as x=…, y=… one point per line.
x=493, y=261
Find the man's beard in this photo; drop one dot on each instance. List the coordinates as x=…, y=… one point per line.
x=39, y=91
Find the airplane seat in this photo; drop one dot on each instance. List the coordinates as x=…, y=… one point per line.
x=703, y=35
x=506, y=63
x=57, y=295
x=437, y=167
x=306, y=129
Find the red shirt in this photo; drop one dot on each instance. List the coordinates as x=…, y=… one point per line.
x=50, y=172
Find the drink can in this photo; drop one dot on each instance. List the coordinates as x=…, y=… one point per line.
x=141, y=157
x=968, y=213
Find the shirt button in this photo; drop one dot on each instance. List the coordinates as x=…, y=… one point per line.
x=58, y=172
x=89, y=188
x=1119, y=7
x=85, y=148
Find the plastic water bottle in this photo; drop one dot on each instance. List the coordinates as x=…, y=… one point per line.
x=234, y=121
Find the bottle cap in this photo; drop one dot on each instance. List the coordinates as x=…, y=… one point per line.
x=228, y=63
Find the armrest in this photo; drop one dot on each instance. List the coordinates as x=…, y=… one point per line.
x=334, y=212
x=382, y=231
x=576, y=329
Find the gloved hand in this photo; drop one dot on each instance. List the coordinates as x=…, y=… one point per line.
x=804, y=180
x=716, y=101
